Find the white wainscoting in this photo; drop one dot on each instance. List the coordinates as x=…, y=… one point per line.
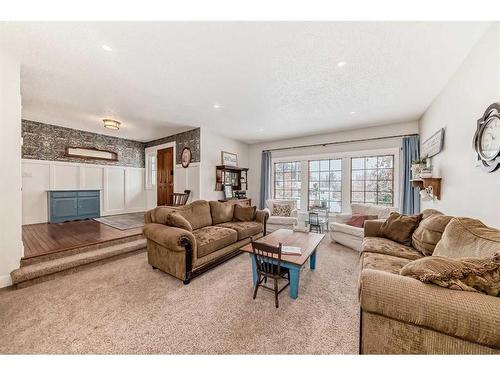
x=122, y=188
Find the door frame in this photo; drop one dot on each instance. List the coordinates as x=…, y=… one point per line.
x=149, y=152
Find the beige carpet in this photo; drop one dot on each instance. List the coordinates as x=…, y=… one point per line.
x=126, y=307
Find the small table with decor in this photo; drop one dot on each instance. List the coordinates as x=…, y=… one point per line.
x=308, y=242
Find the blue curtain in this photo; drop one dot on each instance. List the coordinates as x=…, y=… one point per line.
x=410, y=197
x=265, y=178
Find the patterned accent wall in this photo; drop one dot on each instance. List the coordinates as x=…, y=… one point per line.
x=190, y=139
x=48, y=142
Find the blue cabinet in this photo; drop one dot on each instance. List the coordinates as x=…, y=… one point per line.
x=70, y=205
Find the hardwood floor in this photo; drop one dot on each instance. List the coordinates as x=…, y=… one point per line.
x=41, y=239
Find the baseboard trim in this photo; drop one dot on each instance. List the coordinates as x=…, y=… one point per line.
x=5, y=281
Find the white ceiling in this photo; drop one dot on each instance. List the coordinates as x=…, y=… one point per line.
x=271, y=79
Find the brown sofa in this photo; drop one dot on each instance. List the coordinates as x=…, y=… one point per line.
x=216, y=236
x=401, y=315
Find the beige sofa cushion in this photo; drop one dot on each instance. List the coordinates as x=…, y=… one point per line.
x=210, y=239
x=469, y=274
x=400, y=227
x=465, y=237
x=159, y=214
x=244, y=213
x=383, y=262
x=429, y=232
x=244, y=229
x=386, y=246
x=176, y=220
x=197, y=213
x=222, y=212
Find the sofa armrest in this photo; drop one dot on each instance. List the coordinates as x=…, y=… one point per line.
x=294, y=213
x=148, y=217
x=466, y=315
x=372, y=227
x=340, y=218
x=261, y=216
x=171, y=238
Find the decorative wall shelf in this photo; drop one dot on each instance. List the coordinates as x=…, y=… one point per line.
x=431, y=184
x=234, y=176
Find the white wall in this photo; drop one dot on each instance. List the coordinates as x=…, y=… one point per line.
x=211, y=146
x=466, y=189
x=122, y=188
x=11, y=248
x=255, y=150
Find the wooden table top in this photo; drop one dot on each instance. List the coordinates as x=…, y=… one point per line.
x=307, y=241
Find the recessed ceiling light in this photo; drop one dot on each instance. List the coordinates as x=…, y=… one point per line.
x=352, y=113
x=216, y=106
x=340, y=64
x=107, y=48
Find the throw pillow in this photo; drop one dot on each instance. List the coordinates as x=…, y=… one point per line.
x=282, y=209
x=469, y=274
x=359, y=220
x=176, y=220
x=465, y=237
x=242, y=213
x=222, y=212
x=429, y=232
x=399, y=228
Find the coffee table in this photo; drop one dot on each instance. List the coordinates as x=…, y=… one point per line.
x=308, y=242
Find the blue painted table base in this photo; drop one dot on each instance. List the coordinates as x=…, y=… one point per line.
x=294, y=273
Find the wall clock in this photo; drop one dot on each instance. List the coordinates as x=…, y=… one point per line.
x=186, y=157
x=487, y=138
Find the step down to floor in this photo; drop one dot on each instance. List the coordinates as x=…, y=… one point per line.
x=29, y=273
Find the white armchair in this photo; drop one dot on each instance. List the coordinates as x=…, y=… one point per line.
x=349, y=235
x=277, y=222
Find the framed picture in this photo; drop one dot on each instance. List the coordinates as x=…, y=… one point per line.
x=433, y=145
x=186, y=157
x=229, y=159
x=228, y=191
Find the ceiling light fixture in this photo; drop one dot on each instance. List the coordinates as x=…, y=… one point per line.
x=107, y=48
x=352, y=113
x=111, y=124
x=216, y=106
x=340, y=64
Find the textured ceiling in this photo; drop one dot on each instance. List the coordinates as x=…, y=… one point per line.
x=271, y=79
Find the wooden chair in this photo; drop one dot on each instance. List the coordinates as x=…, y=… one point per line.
x=180, y=199
x=268, y=261
x=314, y=223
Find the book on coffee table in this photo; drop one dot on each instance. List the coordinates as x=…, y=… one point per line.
x=291, y=250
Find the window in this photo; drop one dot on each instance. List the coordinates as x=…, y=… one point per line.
x=151, y=170
x=287, y=181
x=325, y=184
x=372, y=180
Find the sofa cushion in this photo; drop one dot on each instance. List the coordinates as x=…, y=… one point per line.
x=159, y=214
x=465, y=237
x=348, y=229
x=176, y=220
x=282, y=209
x=400, y=227
x=429, y=232
x=221, y=212
x=282, y=220
x=244, y=213
x=469, y=274
x=386, y=246
x=358, y=220
x=210, y=239
x=383, y=262
x=245, y=229
x=197, y=213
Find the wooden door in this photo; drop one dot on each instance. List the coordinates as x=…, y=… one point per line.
x=165, y=176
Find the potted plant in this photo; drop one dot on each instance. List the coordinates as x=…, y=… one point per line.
x=418, y=166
